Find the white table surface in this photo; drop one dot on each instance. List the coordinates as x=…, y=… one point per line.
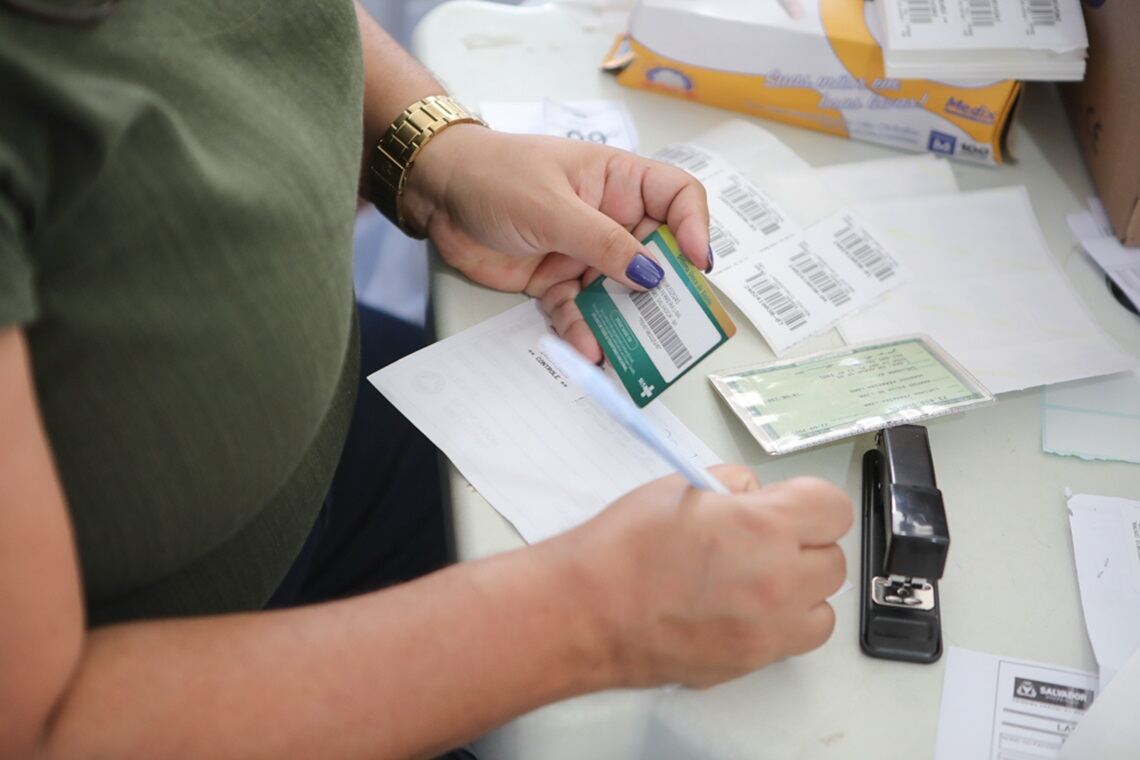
x=1010, y=586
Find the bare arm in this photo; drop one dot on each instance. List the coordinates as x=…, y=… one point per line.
x=668, y=584
x=406, y=672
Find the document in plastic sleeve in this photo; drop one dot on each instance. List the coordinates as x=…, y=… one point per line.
x=653, y=337
x=793, y=404
x=999, y=708
x=806, y=283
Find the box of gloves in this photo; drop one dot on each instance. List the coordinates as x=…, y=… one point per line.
x=812, y=63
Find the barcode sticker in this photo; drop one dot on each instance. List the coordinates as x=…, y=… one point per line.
x=864, y=251
x=979, y=13
x=723, y=243
x=920, y=11
x=743, y=219
x=820, y=277
x=775, y=299
x=648, y=306
x=805, y=283
x=698, y=161
x=752, y=206
x=1042, y=12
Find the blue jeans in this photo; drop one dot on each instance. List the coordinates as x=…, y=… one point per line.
x=383, y=520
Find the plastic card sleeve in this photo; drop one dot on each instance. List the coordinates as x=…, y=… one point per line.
x=793, y=404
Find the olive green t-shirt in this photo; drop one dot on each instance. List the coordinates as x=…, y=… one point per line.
x=177, y=193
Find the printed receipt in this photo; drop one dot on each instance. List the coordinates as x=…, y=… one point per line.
x=790, y=282
x=1003, y=709
x=790, y=405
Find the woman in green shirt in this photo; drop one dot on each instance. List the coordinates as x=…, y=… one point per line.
x=178, y=361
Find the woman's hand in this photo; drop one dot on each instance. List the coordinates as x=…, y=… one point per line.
x=544, y=215
x=698, y=588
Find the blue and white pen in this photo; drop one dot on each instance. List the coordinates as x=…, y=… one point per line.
x=594, y=383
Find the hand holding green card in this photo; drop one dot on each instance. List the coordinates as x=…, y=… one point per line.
x=653, y=337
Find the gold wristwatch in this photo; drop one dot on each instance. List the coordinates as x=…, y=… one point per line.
x=383, y=181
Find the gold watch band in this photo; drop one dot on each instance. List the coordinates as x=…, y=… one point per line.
x=397, y=150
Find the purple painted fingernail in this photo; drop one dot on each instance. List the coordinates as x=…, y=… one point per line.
x=644, y=271
x=708, y=269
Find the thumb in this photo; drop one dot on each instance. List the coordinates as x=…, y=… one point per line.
x=591, y=237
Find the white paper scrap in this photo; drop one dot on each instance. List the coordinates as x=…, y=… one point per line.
x=998, y=708
x=541, y=453
x=606, y=122
x=986, y=288
x=1106, y=549
x=806, y=283
x=1120, y=263
x=1098, y=418
x=1094, y=231
x=1110, y=730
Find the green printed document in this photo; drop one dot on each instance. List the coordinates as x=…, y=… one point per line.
x=792, y=404
x=651, y=338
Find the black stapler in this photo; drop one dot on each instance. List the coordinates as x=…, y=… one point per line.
x=905, y=542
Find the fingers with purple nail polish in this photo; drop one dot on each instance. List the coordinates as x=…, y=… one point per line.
x=644, y=271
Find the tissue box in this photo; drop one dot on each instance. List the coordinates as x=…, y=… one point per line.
x=812, y=63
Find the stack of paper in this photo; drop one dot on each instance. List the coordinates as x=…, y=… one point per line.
x=984, y=40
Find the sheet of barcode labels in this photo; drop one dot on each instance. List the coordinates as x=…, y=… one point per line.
x=791, y=282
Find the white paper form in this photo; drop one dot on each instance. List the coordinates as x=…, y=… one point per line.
x=541, y=454
x=1110, y=730
x=1106, y=549
x=998, y=708
x=607, y=122
x=1097, y=418
x=986, y=288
